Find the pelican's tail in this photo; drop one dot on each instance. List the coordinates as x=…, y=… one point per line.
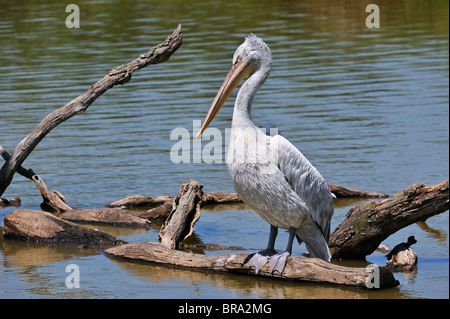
x=321, y=251
x=315, y=242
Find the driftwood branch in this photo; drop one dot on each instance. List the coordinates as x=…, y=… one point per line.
x=118, y=75
x=368, y=224
x=4, y=202
x=297, y=268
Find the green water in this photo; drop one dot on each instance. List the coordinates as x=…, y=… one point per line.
x=368, y=107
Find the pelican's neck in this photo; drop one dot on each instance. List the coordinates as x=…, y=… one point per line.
x=242, y=116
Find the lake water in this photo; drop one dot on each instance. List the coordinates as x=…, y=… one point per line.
x=368, y=107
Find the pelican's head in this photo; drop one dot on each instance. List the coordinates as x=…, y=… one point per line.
x=249, y=57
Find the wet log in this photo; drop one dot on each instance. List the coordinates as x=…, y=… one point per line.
x=108, y=216
x=185, y=212
x=368, y=224
x=161, y=212
x=43, y=227
x=118, y=75
x=297, y=268
x=341, y=191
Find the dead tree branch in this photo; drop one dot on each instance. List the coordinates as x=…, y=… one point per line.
x=368, y=224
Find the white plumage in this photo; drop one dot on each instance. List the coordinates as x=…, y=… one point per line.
x=268, y=172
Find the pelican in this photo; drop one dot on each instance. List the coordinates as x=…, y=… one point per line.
x=270, y=174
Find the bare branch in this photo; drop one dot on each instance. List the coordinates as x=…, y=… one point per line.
x=118, y=75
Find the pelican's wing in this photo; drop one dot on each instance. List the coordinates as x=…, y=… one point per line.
x=306, y=181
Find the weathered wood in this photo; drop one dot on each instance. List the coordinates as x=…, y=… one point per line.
x=43, y=227
x=52, y=201
x=109, y=216
x=220, y=198
x=341, y=191
x=162, y=212
x=4, y=202
x=28, y=173
x=297, y=268
x=141, y=201
x=405, y=260
x=212, y=198
x=118, y=75
x=185, y=212
x=368, y=224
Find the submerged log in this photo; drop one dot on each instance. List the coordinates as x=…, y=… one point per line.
x=43, y=227
x=109, y=216
x=368, y=224
x=185, y=212
x=10, y=202
x=297, y=268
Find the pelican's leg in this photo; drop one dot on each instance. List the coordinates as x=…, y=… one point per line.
x=260, y=259
x=278, y=262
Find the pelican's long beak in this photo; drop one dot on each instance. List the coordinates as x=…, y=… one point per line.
x=238, y=72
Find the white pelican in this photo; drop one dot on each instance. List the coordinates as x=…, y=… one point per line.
x=268, y=172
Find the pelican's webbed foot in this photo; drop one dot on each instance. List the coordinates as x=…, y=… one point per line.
x=278, y=262
x=260, y=259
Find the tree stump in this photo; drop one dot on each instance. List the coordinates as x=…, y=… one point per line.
x=185, y=212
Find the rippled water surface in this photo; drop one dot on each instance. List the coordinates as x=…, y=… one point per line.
x=368, y=107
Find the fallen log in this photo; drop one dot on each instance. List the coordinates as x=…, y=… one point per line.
x=118, y=75
x=109, y=216
x=43, y=227
x=341, y=191
x=297, y=268
x=213, y=198
x=368, y=224
x=185, y=212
